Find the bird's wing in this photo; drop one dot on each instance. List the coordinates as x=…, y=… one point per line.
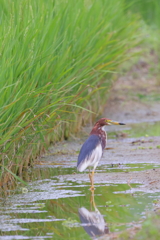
x=93, y=222
x=90, y=153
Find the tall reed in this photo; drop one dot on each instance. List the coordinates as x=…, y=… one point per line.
x=149, y=11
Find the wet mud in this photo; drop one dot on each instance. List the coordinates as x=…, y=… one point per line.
x=135, y=161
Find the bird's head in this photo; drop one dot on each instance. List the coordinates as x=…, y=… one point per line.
x=105, y=121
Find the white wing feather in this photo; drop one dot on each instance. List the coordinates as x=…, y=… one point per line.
x=92, y=159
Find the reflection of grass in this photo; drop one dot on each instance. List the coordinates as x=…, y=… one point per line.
x=126, y=167
x=70, y=223
x=150, y=230
x=141, y=147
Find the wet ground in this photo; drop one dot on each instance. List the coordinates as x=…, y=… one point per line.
x=57, y=203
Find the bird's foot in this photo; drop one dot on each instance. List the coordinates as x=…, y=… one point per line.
x=92, y=188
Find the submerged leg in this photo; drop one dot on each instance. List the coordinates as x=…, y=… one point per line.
x=128, y=182
x=92, y=200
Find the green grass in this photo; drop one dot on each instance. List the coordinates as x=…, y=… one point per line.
x=149, y=11
x=57, y=61
x=150, y=230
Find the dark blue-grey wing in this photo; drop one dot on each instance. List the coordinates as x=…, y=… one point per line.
x=93, y=222
x=90, y=151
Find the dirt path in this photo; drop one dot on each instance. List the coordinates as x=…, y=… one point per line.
x=135, y=97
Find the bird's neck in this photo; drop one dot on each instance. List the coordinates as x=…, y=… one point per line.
x=101, y=134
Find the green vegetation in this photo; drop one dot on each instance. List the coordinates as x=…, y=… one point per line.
x=150, y=229
x=57, y=58
x=149, y=11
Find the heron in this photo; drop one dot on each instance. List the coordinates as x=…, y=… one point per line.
x=92, y=149
x=93, y=221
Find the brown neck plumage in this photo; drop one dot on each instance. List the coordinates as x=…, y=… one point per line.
x=97, y=130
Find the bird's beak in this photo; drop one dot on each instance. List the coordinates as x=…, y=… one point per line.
x=110, y=122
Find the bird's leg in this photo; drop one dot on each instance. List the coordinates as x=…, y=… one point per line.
x=128, y=182
x=92, y=200
x=92, y=180
x=90, y=175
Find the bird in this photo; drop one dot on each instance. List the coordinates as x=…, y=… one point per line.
x=93, y=222
x=92, y=149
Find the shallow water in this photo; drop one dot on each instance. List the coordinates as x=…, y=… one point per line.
x=50, y=210
x=53, y=208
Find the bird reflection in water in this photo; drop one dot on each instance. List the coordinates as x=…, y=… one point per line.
x=93, y=221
